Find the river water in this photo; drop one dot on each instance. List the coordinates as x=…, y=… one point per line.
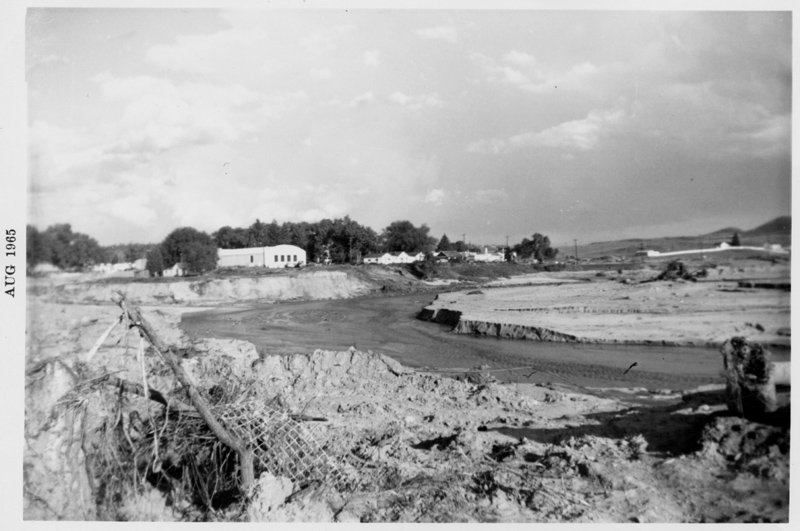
x=388, y=325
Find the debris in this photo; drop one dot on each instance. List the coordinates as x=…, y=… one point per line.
x=749, y=382
x=634, y=364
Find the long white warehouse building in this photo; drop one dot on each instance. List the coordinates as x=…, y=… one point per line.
x=274, y=257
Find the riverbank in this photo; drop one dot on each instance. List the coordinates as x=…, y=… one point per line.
x=628, y=308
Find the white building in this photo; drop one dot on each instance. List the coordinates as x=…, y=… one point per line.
x=393, y=258
x=489, y=255
x=378, y=258
x=273, y=257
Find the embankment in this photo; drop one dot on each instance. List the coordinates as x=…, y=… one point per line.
x=300, y=286
x=611, y=311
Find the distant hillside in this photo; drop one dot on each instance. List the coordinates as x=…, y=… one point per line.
x=779, y=231
x=781, y=225
x=725, y=231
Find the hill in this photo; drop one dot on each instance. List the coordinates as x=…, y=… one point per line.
x=779, y=231
x=781, y=225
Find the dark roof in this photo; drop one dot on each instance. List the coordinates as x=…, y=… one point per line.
x=449, y=254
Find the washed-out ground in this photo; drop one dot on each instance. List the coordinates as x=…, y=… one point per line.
x=421, y=447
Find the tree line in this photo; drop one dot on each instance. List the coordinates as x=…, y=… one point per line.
x=343, y=240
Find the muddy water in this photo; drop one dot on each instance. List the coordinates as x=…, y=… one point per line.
x=388, y=325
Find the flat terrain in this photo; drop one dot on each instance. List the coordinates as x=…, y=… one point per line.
x=623, y=307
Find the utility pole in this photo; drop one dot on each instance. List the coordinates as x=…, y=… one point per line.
x=576, y=249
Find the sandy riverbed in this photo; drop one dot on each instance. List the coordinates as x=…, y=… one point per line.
x=621, y=308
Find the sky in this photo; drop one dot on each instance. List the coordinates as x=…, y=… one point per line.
x=494, y=124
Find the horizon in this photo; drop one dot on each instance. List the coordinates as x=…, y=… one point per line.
x=636, y=125
x=497, y=244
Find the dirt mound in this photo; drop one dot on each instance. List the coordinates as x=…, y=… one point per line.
x=749, y=447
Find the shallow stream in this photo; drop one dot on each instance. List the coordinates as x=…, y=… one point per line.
x=388, y=325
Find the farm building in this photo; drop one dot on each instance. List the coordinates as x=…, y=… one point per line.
x=274, y=257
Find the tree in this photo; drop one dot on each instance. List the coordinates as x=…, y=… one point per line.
x=199, y=257
x=404, y=236
x=444, y=244
x=736, y=241
x=538, y=247
x=191, y=246
x=62, y=247
x=230, y=238
x=155, y=262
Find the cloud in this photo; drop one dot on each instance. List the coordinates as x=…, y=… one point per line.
x=362, y=100
x=372, y=58
x=159, y=115
x=37, y=62
x=441, y=33
x=519, y=58
x=415, y=103
x=582, y=135
x=207, y=54
x=133, y=208
x=527, y=76
x=435, y=196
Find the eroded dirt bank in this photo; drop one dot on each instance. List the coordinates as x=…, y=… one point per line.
x=423, y=448
x=622, y=308
x=285, y=285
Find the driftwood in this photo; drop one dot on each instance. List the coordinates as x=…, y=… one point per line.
x=749, y=378
x=245, y=453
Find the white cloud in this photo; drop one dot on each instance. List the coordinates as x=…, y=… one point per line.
x=519, y=58
x=576, y=78
x=362, y=100
x=528, y=77
x=133, y=208
x=435, y=196
x=415, y=103
x=207, y=54
x=161, y=115
x=49, y=59
x=583, y=135
x=372, y=58
x=442, y=33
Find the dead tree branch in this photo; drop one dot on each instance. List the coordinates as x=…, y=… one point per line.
x=245, y=453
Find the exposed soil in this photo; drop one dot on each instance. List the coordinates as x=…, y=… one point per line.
x=628, y=307
x=418, y=446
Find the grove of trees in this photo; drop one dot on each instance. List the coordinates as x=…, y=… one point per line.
x=192, y=247
x=538, y=247
x=62, y=247
x=343, y=238
x=404, y=236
